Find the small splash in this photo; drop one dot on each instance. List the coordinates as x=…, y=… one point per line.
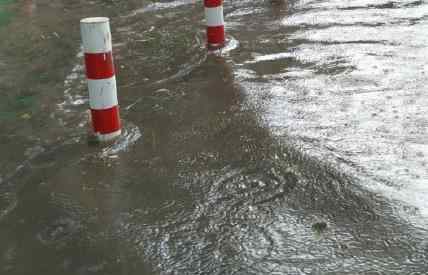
x=230, y=45
x=130, y=134
x=74, y=81
x=270, y=57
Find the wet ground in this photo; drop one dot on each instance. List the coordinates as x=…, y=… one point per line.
x=301, y=148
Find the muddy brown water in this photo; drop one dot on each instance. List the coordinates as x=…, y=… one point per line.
x=298, y=149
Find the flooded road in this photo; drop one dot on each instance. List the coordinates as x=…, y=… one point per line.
x=298, y=149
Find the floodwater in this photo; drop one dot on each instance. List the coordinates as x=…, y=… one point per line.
x=300, y=148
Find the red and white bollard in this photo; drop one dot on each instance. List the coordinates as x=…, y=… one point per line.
x=100, y=74
x=215, y=23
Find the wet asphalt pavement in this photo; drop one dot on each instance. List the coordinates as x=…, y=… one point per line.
x=300, y=148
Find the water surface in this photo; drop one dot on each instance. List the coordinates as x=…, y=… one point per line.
x=313, y=114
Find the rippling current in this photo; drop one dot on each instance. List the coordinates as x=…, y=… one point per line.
x=300, y=148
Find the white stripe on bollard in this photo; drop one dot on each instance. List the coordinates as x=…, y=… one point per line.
x=102, y=93
x=214, y=16
x=96, y=35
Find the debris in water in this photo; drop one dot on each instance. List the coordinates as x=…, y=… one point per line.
x=26, y=116
x=319, y=227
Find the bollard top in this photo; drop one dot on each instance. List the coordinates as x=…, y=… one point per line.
x=96, y=35
x=94, y=20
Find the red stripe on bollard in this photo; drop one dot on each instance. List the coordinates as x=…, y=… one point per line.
x=215, y=35
x=106, y=121
x=99, y=65
x=213, y=3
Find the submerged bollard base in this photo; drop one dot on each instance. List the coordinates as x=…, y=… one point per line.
x=97, y=138
x=108, y=137
x=214, y=47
